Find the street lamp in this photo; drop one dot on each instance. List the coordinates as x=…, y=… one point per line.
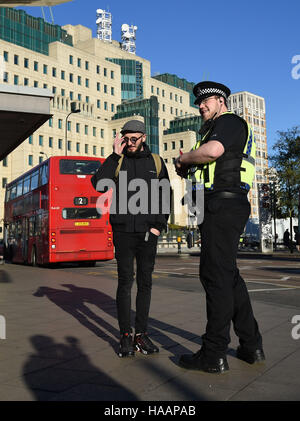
x=73, y=111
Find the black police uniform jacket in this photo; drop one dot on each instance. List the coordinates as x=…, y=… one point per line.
x=141, y=165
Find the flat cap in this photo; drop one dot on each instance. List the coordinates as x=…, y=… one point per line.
x=207, y=88
x=134, y=126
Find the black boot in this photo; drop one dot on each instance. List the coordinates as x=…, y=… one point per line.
x=250, y=357
x=200, y=362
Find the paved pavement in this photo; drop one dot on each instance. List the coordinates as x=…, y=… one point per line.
x=62, y=333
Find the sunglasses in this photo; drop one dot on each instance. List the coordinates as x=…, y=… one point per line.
x=133, y=140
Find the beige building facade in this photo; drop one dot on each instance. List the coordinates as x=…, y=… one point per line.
x=88, y=73
x=253, y=109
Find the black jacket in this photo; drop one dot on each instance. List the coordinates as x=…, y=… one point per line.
x=142, y=208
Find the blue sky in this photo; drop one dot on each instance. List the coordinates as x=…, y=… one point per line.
x=248, y=46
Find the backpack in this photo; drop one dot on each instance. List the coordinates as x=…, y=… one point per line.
x=155, y=157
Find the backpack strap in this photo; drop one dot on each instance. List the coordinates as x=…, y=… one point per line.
x=119, y=166
x=157, y=162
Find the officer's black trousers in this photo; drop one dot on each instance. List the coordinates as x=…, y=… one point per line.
x=227, y=298
x=130, y=246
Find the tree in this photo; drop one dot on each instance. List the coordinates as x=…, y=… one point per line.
x=286, y=160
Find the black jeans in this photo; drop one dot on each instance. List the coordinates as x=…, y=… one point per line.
x=129, y=246
x=227, y=297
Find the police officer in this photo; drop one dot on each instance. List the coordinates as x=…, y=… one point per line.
x=224, y=162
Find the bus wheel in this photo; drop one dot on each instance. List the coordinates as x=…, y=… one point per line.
x=33, y=256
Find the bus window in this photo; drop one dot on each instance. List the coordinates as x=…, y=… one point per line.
x=20, y=188
x=80, y=213
x=72, y=166
x=34, y=180
x=26, y=185
x=31, y=226
x=44, y=174
x=13, y=192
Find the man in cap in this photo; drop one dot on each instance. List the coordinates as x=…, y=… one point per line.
x=224, y=161
x=135, y=229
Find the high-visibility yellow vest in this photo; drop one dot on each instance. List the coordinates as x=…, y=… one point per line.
x=232, y=169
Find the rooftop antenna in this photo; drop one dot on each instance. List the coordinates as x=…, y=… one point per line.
x=128, y=34
x=104, y=22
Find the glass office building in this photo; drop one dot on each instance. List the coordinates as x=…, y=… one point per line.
x=131, y=78
x=19, y=28
x=148, y=108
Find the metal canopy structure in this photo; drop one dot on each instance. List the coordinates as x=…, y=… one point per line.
x=12, y=3
x=22, y=111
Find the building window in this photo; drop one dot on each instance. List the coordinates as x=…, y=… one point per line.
x=51, y=122
x=54, y=71
x=181, y=144
x=112, y=91
x=69, y=145
x=60, y=123
x=30, y=140
x=98, y=86
x=4, y=162
x=26, y=63
x=102, y=133
x=69, y=126
x=94, y=150
x=105, y=71
x=71, y=59
x=87, y=99
x=105, y=105
x=86, y=129
x=30, y=160
x=59, y=143
x=50, y=142
x=5, y=56
x=16, y=80
x=86, y=148
x=45, y=69
x=35, y=66
x=105, y=89
x=102, y=151
x=173, y=145
x=94, y=131
x=165, y=146
x=71, y=95
x=77, y=147
x=62, y=75
x=112, y=74
x=112, y=108
x=62, y=92
x=98, y=103
x=77, y=128
x=16, y=59
x=71, y=77
x=5, y=77
x=86, y=65
x=26, y=81
x=41, y=140
x=79, y=62
x=87, y=83
x=35, y=84
x=4, y=182
x=98, y=69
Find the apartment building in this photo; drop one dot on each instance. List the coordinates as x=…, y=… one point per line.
x=99, y=78
x=109, y=86
x=252, y=108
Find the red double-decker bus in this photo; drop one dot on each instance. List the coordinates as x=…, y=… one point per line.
x=51, y=216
